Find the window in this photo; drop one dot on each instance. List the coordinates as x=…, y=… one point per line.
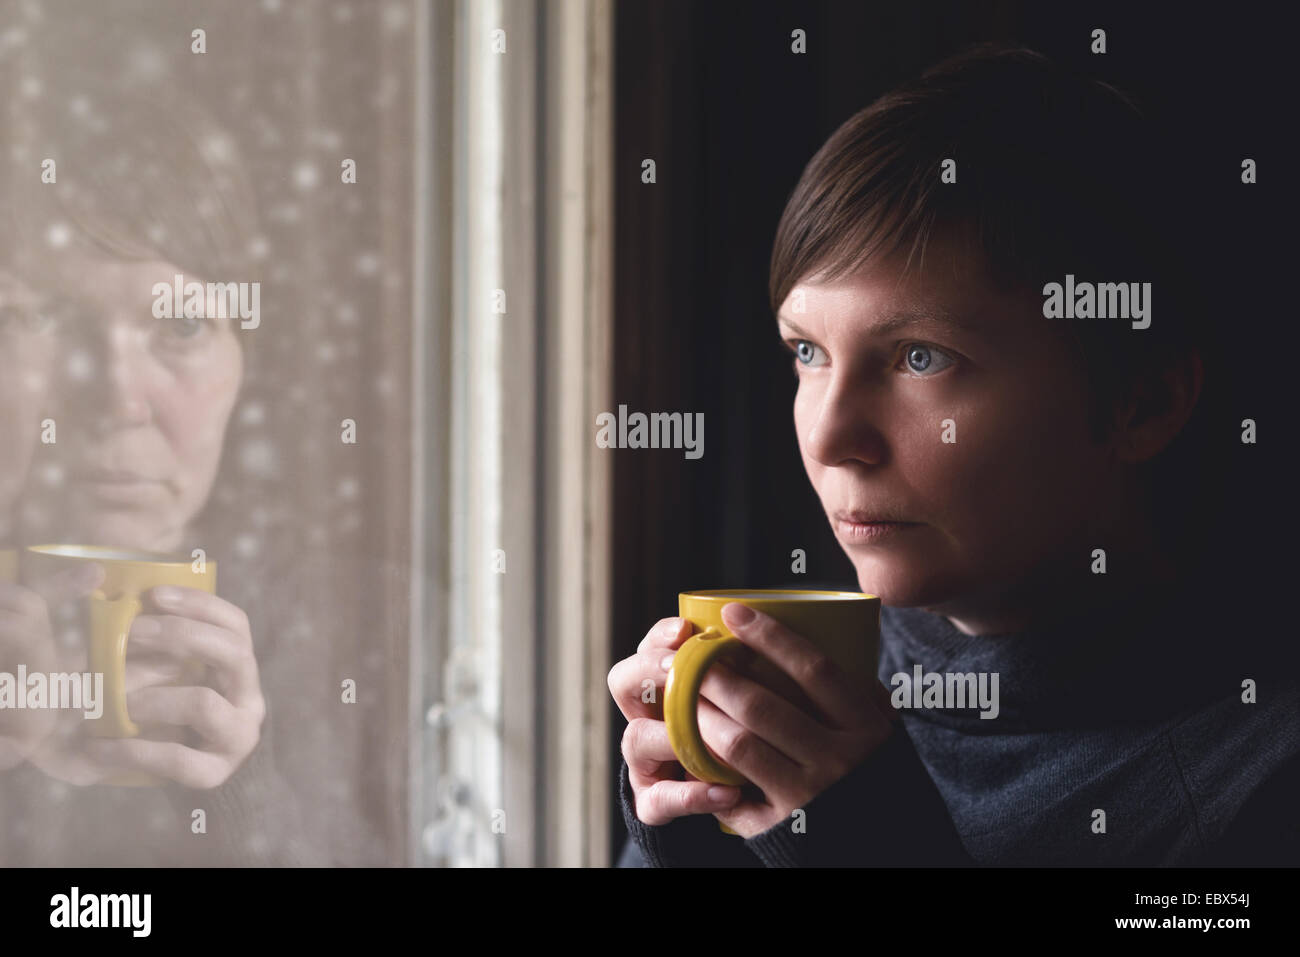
x=402, y=491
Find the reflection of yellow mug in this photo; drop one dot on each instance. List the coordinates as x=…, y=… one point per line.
x=128, y=574
x=844, y=625
x=8, y=565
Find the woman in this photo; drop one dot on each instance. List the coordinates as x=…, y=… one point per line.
x=1014, y=486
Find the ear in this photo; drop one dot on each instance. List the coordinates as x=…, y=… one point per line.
x=1157, y=408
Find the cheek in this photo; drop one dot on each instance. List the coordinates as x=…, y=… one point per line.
x=1021, y=463
x=194, y=417
x=805, y=417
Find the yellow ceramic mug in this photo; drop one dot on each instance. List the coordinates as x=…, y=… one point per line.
x=845, y=625
x=128, y=574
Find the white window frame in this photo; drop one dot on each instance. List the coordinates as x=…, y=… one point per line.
x=508, y=752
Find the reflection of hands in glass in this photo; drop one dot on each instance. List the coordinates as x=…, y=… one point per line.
x=26, y=639
x=227, y=713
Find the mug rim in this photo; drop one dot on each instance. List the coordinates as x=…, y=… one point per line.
x=777, y=594
x=138, y=554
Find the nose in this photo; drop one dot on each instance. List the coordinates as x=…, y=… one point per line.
x=844, y=423
x=106, y=379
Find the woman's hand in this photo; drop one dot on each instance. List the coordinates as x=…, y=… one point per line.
x=789, y=755
x=228, y=715
x=637, y=684
x=181, y=625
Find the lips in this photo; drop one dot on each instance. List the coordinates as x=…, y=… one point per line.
x=881, y=517
x=118, y=488
x=870, y=527
x=112, y=477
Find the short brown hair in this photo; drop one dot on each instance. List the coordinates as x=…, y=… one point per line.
x=142, y=174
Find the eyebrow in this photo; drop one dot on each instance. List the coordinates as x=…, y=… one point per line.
x=899, y=319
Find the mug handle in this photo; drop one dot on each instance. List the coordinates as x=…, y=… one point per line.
x=110, y=623
x=682, y=700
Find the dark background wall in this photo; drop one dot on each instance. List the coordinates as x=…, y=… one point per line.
x=712, y=92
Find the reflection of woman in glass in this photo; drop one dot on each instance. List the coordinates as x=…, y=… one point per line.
x=146, y=189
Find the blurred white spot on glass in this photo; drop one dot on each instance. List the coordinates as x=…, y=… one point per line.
x=260, y=457
x=58, y=235
x=218, y=147
x=253, y=413
x=247, y=546
x=147, y=63
x=80, y=366
x=306, y=176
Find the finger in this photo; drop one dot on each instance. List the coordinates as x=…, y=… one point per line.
x=627, y=683
x=217, y=647
x=165, y=759
x=201, y=606
x=645, y=746
x=746, y=816
x=810, y=667
x=665, y=801
x=147, y=671
x=881, y=700
x=76, y=581
x=736, y=745
x=785, y=727
x=215, y=719
x=666, y=633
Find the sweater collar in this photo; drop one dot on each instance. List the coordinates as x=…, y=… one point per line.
x=1144, y=655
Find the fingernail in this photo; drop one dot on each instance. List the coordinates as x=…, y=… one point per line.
x=145, y=628
x=166, y=595
x=667, y=663
x=737, y=614
x=722, y=795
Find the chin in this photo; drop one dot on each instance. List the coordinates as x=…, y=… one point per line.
x=905, y=584
x=122, y=531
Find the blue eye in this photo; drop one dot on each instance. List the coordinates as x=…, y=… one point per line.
x=186, y=328
x=924, y=360
x=804, y=351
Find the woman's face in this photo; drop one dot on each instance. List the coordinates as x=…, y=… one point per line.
x=140, y=405
x=940, y=402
